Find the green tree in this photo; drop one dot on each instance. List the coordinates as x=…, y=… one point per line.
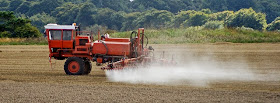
x=154, y=19
x=14, y=4
x=220, y=16
x=66, y=14
x=41, y=19
x=236, y=5
x=84, y=15
x=196, y=19
x=116, y=5
x=46, y=6
x=16, y=27
x=173, y=6
x=269, y=7
x=4, y=18
x=110, y=18
x=150, y=4
x=215, y=5
x=4, y=5
x=26, y=31
x=130, y=21
x=214, y=25
x=206, y=11
x=6, y=15
x=275, y=25
x=5, y=34
x=247, y=18
x=23, y=7
x=181, y=17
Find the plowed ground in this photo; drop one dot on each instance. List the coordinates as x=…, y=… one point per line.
x=26, y=76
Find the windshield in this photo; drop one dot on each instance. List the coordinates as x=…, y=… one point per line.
x=55, y=34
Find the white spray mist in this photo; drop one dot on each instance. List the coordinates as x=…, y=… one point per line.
x=194, y=71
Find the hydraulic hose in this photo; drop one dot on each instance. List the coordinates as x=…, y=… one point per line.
x=105, y=47
x=147, y=40
x=134, y=32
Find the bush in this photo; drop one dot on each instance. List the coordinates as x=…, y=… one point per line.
x=5, y=34
x=12, y=26
x=197, y=19
x=182, y=16
x=220, y=16
x=275, y=25
x=247, y=18
x=214, y=25
x=26, y=31
x=244, y=28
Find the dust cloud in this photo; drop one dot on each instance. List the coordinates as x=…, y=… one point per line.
x=196, y=72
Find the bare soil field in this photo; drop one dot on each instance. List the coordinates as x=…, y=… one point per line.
x=26, y=76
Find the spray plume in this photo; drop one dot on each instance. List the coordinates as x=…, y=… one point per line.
x=196, y=72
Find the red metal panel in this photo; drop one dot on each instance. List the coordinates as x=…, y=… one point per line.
x=55, y=44
x=118, y=39
x=81, y=50
x=114, y=48
x=68, y=44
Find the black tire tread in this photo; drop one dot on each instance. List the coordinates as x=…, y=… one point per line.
x=87, y=67
x=81, y=63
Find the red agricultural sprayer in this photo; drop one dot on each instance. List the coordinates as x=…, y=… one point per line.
x=68, y=42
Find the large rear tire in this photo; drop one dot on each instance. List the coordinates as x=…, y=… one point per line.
x=74, y=66
x=87, y=67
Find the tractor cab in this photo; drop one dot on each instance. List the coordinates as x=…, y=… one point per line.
x=65, y=40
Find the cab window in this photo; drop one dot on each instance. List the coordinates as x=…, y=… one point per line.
x=67, y=34
x=55, y=34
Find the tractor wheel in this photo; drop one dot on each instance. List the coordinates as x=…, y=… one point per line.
x=87, y=67
x=74, y=66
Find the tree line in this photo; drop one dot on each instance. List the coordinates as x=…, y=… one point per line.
x=13, y=27
x=127, y=15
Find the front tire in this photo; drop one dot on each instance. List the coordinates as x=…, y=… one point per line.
x=74, y=66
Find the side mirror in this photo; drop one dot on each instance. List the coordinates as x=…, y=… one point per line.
x=45, y=33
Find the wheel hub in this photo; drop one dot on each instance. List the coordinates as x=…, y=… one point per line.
x=73, y=67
